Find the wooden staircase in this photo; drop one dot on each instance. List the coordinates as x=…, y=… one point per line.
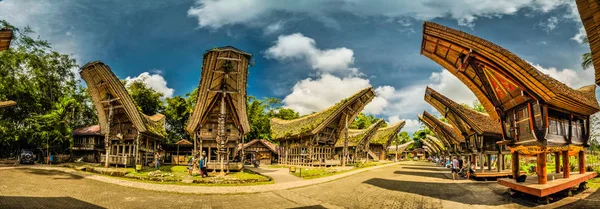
x=373, y=155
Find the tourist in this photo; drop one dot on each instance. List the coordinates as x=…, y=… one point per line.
x=455, y=169
x=203, y=168
x=191, y=164
x=156, y=160
x=460, y=165
x=200, y=165
x=471, y=170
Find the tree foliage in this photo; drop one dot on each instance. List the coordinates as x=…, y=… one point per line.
x=260, y=113
x=363, y=121
x=147, y=99
x=477, y=106
x=177, y=112
x=50, y=101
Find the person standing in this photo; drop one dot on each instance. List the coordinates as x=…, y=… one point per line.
x=201, y=165
x=203, y=168
x=191, y=164
x=455, y=169
x=156, y=160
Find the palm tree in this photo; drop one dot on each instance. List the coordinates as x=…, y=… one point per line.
x=586, y=58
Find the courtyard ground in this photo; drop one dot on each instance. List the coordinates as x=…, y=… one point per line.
x=404, y=185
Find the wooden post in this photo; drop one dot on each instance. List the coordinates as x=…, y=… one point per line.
x=515, y=165
x=482, y=163
x=177, y=161
x=107, y=141
x=557, y=162
x=345, y=151
x=499, y=162
x=581, y=162
x=489, y=159
x=566, y=168
x=541, y=168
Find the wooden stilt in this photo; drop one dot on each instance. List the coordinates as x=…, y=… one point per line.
x=489, y=160
x=499, y=163
x=515, y=165
x=541, y=168
x=566, y=168
x=557, y=162
x=581, y=162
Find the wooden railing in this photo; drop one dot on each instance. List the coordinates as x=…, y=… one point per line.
x=118, y=159
x=83, y=147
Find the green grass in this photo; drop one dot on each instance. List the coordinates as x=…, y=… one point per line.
x=311, y=173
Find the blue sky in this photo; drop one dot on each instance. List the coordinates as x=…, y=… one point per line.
x=309, y=53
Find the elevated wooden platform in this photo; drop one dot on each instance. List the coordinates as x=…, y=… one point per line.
x=494, y=174
x=531, y=186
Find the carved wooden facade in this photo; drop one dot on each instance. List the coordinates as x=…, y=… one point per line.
x=6, y=35
x=536, y=112
x=219, y=120
x=131, y=137
x=265, y=150
x=589, y=12
x=88, y=144
x=310, y=140
x=358, y=143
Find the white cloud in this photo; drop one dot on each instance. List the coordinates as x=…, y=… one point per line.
x=215, y=14
x=580, y=36
x=298, y=46
x=549, y=24
x=153, y=81
x=313, y=95
x=274, y=28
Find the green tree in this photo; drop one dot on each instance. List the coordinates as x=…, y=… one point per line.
x=363, y=121
x=260, y=113
x=147, y=100
x=177, y=113
x=477, y=106
x=50, y=102
x=586, y=58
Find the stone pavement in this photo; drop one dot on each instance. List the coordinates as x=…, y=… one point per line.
x=279, y=175
x=208, y=189
x=407, y=185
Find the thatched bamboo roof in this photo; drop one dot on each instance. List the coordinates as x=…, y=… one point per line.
x=401, y=147
x=461, y=117
x=434, y=141
x=101, y=82
x=88, y=131
x=589, y=12
x=8, y=103
x=385, y=135
x=184, y=142
x=441, y=128
x=499, y=78
x=273, y=147
x=433, y=149
x=360, y=136
x=213, y=77
x=315, y=123
x=6, y=35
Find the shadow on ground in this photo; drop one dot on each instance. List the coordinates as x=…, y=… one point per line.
x=445, y=191
x=52, y=173
x=422, y=174
x=43, y=202
x=310, y=207
x=591, y=201
x=427, y=168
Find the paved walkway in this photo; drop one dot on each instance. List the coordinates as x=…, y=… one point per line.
x=279, y=175
x=287, y=183
x=404, y=185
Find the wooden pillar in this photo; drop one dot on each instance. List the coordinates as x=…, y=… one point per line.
x=499, y=162
x=581, y=159
x=557, y=162
x=489, y=159
x=515, y=165
x=107, y=141
x=481, y=163
x=345, y=151
x=541, y=168
x=566, y=168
